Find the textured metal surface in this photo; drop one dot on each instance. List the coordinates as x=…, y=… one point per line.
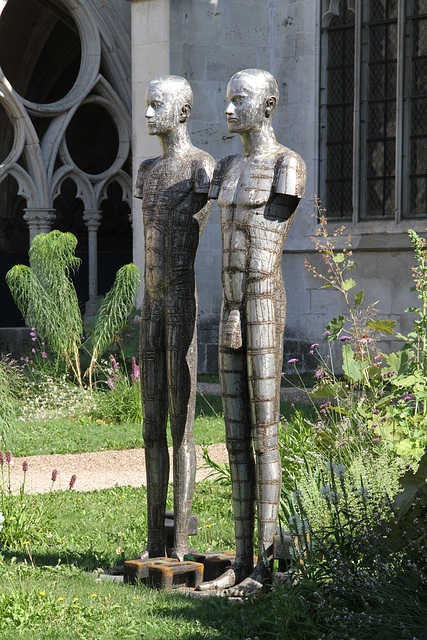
x=163, y=573
x=173, y=188
x=258, y=193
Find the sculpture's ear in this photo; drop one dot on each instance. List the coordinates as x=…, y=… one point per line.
x=185, y=113
x=270, y=106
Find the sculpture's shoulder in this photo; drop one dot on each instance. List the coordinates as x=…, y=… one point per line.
x=143, y=169
x=204, y=166
x=290, y=174
x=219, y=173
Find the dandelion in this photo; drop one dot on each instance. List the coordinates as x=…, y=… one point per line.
x=293, y=360
x=72, y=480
x=54, y=475
x=8, y=456
x=25, y=466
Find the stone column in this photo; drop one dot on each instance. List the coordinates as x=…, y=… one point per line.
x=92, y=220
x=39, y=221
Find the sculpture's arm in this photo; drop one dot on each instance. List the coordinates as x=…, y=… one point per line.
x=202, y=183
x=289, y=185
x=142, y=171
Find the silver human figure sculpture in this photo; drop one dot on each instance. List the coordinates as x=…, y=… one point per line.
x=258, y=193
x=174, y=189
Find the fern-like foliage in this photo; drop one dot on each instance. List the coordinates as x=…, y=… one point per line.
x=114, y=311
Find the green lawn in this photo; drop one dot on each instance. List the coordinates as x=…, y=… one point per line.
x=76, y=435
x=63, y=596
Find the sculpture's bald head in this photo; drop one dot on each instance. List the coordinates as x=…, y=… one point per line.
x=169, y=100
x=252, y=95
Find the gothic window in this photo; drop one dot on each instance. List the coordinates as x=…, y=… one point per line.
x=373, y=156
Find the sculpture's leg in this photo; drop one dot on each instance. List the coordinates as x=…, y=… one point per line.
x=182, y=363
x=264, y=364
x=154, y=409
x=234, y=389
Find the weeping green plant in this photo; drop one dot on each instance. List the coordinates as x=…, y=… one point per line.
x=46, y=296
x=113, y=312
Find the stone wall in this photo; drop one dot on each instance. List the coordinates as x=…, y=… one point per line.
x=207, y=41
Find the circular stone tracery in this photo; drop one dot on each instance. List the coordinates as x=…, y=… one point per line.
x=38, y=41
x=92, y=139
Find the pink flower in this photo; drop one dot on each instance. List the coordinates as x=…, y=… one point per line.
x=135, y=371
x=25, y=466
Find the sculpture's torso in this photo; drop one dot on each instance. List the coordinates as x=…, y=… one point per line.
x=173, y=193
x=253, y=225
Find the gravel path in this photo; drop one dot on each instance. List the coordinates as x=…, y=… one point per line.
x=103, y=469
x=95, y=470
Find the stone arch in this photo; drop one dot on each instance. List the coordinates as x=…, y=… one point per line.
x=331, y=9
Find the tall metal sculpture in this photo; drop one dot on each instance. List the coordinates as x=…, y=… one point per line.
x=174, y=189
x=258, y=193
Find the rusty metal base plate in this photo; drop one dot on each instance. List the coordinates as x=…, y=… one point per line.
x=214, y=563
x=164, y=573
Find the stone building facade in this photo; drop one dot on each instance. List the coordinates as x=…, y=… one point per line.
x=352, y=78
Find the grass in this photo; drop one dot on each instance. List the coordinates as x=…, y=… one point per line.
x=80, y=434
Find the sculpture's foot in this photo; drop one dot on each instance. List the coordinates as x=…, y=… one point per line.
x=252, y=584
x=233, y=330
x=234, y=574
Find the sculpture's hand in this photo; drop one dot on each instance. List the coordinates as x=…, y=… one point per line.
x=233, y=330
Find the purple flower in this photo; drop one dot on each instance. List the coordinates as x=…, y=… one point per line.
x=114, y=363
x=8, y=456
x=110, y=382
x=293, y=360
x=344, y=338
x=135, y=370
x=54, y=475
x=72, y=481
x=44, y=354
x=314, y=345
x=25, y=466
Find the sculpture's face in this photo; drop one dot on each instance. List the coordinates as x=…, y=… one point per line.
x=247, y=100
x=163, y=108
